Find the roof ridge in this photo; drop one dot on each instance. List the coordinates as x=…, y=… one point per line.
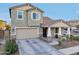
x=26, y=5
x=48, y=17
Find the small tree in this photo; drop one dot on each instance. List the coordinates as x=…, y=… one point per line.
x=2, y=25
x=10, y=47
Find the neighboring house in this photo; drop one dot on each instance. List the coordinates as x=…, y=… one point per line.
x=27, y=21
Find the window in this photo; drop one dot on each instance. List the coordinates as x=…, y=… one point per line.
x=35, y=16
x=19, y=14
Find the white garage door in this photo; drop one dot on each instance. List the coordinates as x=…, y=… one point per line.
x=24, y=33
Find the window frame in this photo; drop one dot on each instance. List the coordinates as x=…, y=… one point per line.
x=37, y=18
x=22, y=14
x=34, y=15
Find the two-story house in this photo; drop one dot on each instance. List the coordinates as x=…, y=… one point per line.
x=27, y=21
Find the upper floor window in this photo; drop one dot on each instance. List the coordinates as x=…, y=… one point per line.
x=35, y=16
x=20, y=15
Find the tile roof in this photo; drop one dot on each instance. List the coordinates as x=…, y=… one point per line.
x=47, y=21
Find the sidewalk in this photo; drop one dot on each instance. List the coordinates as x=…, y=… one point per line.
x=71, y=50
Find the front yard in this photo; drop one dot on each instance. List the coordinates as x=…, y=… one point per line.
x=67, y=43
x=9, y=48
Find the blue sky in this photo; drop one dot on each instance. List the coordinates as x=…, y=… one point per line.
x=54, y=11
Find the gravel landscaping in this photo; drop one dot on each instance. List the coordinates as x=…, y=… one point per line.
x=67, y=43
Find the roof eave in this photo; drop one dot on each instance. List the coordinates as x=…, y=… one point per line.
x=25, y=5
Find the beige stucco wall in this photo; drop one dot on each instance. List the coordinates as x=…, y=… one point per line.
x=16, y=22
x=19, y=23
x=24, y=33
x=37, y=22
x=40, y=32
x=27, y=20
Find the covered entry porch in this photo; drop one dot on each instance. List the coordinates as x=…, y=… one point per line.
x=55, y=31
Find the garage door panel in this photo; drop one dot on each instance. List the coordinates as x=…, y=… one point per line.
x=26, y=33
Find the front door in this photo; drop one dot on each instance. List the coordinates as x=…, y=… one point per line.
x=56, y=31
x=45, y=32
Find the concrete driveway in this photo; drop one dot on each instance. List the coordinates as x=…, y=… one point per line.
x=36, y=47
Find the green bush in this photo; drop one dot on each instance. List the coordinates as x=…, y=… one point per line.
x=77, y=38
x=63, y=39
x=68, y=37
x=60, y=43
x=10, y=47
x=74, y=37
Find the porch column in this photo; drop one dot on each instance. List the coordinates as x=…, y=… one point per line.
x=49, y=32
x=68, y=31
x=59, y=31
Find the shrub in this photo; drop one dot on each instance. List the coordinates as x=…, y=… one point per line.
x=74, y=38
x=60, y=43
x=10, y=47
x=63, y=39
x=68, y=37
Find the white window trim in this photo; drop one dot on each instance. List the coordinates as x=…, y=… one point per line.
x=22, y=14
x=37, y=18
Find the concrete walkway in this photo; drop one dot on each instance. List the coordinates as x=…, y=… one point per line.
x=70, y=50
x=36, y=47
